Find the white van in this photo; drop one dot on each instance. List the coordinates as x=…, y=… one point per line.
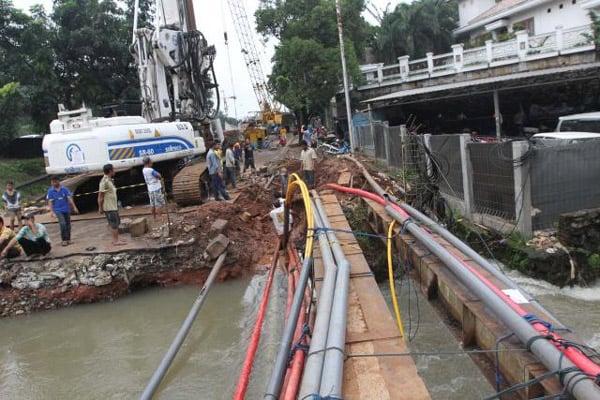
x=562, y=138
x=586, y=122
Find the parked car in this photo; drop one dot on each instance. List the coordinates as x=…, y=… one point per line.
x=562, y=138
x=586, y=122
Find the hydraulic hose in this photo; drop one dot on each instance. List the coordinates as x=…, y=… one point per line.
x=183, y=331
x=540, y=340
x=391, y=279
x=242, y=385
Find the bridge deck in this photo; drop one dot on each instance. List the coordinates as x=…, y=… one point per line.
x=371, y=329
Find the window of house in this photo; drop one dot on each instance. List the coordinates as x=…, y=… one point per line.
x=560, y=6
x=549, y=10
x=524, y=25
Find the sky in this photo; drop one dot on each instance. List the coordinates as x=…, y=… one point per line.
x=213, y=24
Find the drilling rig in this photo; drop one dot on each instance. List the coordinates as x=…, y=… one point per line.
x=179, y=95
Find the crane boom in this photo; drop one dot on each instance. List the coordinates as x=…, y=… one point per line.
x=251, y=57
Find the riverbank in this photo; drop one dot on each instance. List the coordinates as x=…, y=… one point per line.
x=182, y=252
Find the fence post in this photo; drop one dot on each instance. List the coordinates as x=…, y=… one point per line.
x=457, y=52
x=429, y=62
x=489, y=51
x=559, y=38
x=467, y=175
x=427, y=142
x=522, y=190
x=404, y=67
x=403, y=136
x=386, y=141
x=380, y=72
x=371, y=126
x=522, y=44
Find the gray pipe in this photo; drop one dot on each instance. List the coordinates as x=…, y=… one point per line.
x=456, y=242
x=280, y=366
x=311, y=378
x=546, y=352
x=183, y=331
x=469, y=252
x=333, y=367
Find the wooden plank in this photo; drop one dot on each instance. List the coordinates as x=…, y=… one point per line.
x=344, y=179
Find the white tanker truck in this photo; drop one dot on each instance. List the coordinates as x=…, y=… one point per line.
x=178, y=94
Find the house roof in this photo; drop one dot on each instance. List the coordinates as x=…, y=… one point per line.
x=497, y=9
x=502, y=9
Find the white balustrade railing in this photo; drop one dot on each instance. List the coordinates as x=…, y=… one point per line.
x=520, y=49
x=577, y=37
x=443, y=62
x=546, y=43
x=476, y=56
x=504, y=50
x=418, y=67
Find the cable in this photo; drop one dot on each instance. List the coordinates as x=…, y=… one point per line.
x=391, y=279
x=293, y=182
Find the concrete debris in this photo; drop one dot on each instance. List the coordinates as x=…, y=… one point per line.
x=217, y=246
x=138, y=227
x=218, y=227
x=188, y=228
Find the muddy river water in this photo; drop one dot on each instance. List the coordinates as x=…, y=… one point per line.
x=109, y=351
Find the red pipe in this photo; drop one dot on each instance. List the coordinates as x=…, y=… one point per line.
x=577, y=357
x=240, y=391
x=292, y=278
x=295, y=368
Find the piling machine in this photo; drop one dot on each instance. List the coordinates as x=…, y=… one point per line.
x=179, y=94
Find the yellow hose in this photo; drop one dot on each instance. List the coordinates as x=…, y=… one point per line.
x=295, y=180
x=391, y=277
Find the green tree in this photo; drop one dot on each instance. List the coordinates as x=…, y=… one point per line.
x=26, y=57
x=306, y=65
x=415, y=29
x=10, y=101
x=91, y=42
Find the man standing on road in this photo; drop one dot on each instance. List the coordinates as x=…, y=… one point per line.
x=249, y=156
x=107, y=203
x=215, y=170
x=60, y=202
x=308, y=157
x=12, y=199
x=230, y=166
x=154, y=185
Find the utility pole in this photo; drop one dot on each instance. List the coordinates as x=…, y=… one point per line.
x=338, y=12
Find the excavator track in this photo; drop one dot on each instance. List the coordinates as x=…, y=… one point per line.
x=190, y=185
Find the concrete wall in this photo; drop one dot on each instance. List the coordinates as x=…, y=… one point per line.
x=569, y=16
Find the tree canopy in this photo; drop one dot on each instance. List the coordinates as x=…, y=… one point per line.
x=77, y=53
x=307, y=68
x=415, y=29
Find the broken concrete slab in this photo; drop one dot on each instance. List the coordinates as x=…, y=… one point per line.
x=138, y=227
x=217, y=246
x=217, y=228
